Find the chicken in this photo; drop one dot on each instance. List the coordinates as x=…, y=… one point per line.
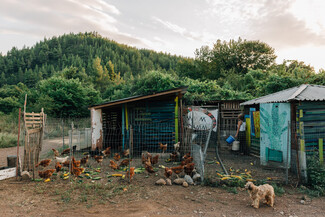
x=46, y=174
x=56, y=153
x=168, y=172
x=99, y=159
x=65, y=151
x=187, y=156
x=117, y=156
x=113, y=165
x=76, y=163
x=143, y=159
x=177, y=169
x=163, y=147
x=148, y=167
x=173, y=156
x=126, y=152
x=176, y=146
x=154, y=160
x=76, y=171
x=61, y=159
x=107, y=152
x=58, y=167
x=130, y=174
x=125, y=162
x=188, y=169
x=66, y=163
x=84, y=160
x=44, y=163
x=187, y=161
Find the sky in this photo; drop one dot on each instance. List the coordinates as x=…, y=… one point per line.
x=294, y=28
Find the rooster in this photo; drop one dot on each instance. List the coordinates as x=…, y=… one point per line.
x=130, y=173
x=56, y=153
x=46, y=174
x=76, y=163
x=163, y=147
x=99, y=159
x=107, y=152
x=125, y=162
x=84, y=160
x=117, y=156
x=126, y=152
x=168, y=172
x=58, y=167
x=65, y=151
x=113, y=165
x=44, y=163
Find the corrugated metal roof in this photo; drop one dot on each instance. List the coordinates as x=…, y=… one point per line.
x=304, y=92
x=140, y=97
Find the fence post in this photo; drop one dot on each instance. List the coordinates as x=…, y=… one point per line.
x=288, y=149
x=320, y=150
x=18, y=143
x=62, y=134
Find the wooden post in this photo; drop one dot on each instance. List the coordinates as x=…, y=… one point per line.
x=320, y=150
x=18, y=143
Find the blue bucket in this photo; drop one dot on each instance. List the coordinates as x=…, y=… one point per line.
x=230, y=139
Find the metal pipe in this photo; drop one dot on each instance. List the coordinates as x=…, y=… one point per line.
x=218, y=143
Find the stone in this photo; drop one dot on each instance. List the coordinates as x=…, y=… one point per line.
x=161, y=182
x=185, y=184
x=179, y=181
x=302, y=202
x=168, y=182
x=282, y=213
x=25, y=175
x=188, y=179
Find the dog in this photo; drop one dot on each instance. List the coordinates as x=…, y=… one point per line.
x=258, y=193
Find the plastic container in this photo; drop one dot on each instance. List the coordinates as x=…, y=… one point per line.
x=235, y=146
x=230, y=139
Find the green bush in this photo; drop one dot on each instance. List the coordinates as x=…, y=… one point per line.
x=8, y=140
x=316, y=174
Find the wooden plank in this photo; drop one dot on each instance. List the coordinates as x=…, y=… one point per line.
x=314, y=112
x=319, y=106
x=7, y=173
x=33, y=118
x=33, y=114
x=302, y=145
x=37, y=130
x=34, y=122
x=313, y=118
x=320, y=150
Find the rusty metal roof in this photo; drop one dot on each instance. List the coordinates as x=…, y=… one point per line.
x=304, y=92
x=181, y=90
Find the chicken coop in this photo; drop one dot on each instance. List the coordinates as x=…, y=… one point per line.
x=290, y=126
x=142, y=122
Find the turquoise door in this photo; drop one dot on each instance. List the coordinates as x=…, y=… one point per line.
x=275, y=138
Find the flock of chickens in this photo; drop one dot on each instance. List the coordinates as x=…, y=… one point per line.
x=148, y=161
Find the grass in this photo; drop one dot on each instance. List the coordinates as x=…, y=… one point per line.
x=8, y=140
x=9, y=131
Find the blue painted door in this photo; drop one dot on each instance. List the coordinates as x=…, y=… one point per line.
x=275, y=138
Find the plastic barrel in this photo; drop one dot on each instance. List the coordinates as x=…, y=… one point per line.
x=235, y=146
x=230, y=139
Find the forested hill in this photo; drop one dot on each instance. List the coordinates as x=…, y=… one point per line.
x=66, y=74
x=41, y=61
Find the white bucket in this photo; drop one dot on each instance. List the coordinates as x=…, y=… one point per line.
x=235, y=146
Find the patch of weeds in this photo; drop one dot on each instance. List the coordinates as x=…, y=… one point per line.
x=236, y=183
x=230, y=189
x=316, y=176
x=278, y=190
x=208, y=181
x=83, y=198
x=89, y=205
x=260, y=182
x=66, y=197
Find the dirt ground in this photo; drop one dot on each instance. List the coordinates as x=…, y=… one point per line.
x=114, y=196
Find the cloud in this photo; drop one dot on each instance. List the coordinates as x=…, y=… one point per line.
x=55, y=17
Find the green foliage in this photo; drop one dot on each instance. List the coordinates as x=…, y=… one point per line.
x=316, y=174
x=61, y=97
x=278, y=190
x=8, y=140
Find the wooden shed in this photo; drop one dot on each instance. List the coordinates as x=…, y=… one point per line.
x=291, y=125
x=154, y=118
